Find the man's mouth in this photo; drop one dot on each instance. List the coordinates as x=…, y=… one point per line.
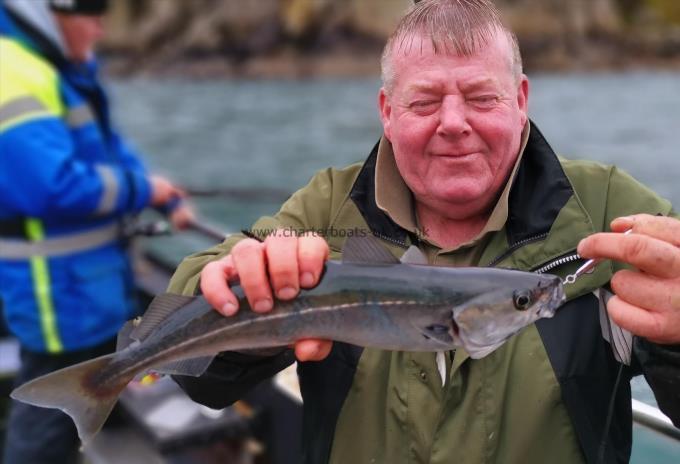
x=456, y=155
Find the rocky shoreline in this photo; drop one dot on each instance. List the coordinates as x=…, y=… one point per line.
x=343, y=38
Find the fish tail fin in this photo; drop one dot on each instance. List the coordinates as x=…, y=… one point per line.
x=75, y=391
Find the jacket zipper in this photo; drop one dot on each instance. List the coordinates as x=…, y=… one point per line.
x=557, y=263
x=517, y=246
x=570, y=258
x=391, y=240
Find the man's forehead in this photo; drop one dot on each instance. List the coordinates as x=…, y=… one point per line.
x=420, y=45
x=465, y=84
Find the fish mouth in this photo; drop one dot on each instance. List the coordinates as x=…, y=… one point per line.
x=554, y=300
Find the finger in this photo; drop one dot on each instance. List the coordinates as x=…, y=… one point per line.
x=660, y=227
x=249, y=260
x=282, y=263
x=214, y=286
x=312, y=254
x=648, y=254
x=640, y=322
x=646, y=291
x=312, y=349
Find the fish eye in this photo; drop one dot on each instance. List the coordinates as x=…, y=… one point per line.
x=521, y=300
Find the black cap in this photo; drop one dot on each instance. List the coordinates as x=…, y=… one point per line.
x=83, y=7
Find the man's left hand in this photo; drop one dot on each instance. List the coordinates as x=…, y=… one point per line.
x=647, y=300
x=182, y=216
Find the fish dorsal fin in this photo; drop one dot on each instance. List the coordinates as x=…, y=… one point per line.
x=414, y=256
x=366, y=250
x=159, y=309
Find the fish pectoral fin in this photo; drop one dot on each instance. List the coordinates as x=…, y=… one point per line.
x=366, y=250
x=193, y=367
x=160, y=308
x=438, y=332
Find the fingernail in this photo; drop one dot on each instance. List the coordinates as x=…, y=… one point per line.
x=287, y=293
x=307, y=279
x=579, y=247
x=229, y=309
x=628, y=219
x=262, y=306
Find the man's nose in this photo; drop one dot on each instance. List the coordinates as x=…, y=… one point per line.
x=452, y=117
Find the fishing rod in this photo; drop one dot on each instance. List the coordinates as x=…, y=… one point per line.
x=246, y=193
x=207, y=230
x=163, y=227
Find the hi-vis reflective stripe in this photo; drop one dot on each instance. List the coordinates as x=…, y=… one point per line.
x=111, y=189
x=19, y=109
x=79, y=116
x=51, y=247
x=43, y=291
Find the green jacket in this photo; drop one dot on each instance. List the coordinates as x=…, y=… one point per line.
x=542, y=397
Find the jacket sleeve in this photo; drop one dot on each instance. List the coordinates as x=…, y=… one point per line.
x=40, y=176
x=130, y=159
x=233, y=374
x=660, y=364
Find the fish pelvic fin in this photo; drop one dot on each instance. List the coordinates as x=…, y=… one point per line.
x=74, y=391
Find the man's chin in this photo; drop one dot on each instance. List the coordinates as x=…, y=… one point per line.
x=460, y=202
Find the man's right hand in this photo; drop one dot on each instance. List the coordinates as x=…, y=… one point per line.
x=163, y=191
x=280, y=266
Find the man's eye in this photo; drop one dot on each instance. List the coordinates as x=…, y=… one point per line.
x=424, y=105
x=484, y=100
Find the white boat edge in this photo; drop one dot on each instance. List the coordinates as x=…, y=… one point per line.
x=653, y=418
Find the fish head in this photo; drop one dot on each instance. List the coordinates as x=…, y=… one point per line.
x=486, y=321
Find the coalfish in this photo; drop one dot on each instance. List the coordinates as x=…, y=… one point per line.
x=369, y=299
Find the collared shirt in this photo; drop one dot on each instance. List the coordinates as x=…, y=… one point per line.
x=395, y=198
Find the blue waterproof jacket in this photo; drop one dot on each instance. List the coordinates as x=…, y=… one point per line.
x=66, y=182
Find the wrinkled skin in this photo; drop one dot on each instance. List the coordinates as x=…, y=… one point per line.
x=455, y=124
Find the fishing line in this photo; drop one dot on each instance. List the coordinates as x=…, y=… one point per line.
x=610, y=414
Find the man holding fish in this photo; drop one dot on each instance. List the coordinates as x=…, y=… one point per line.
x=463, y=174
x=464, y=178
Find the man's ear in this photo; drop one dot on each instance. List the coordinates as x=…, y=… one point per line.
x=385, y=111
x=523, y=97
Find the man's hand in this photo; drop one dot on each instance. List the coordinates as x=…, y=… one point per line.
x=163, y=191
x=283, y=264
x=647, y=301
x=182, y=216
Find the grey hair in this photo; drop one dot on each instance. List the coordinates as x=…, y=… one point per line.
x=460, y=27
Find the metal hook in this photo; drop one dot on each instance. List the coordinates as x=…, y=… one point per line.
x=587, y=267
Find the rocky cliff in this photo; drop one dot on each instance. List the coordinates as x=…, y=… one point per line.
x=302, y=37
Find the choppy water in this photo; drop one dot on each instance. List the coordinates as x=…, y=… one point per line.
x=278, y=133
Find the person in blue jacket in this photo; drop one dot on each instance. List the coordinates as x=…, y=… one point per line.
x=67, y=184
